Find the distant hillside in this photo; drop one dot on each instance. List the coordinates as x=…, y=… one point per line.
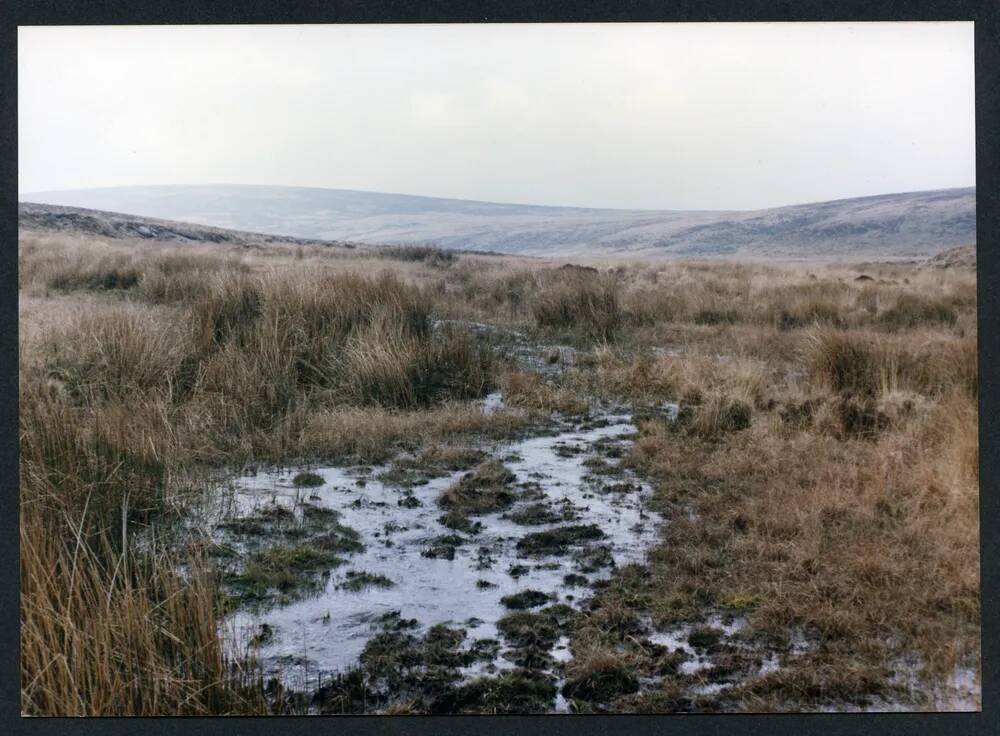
x=42, y=217
x=911, y=225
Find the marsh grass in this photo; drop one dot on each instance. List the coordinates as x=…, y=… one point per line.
x=573, y=299
x=822, y=470
x=112, y=632
x=483, y=490
x=119, y=400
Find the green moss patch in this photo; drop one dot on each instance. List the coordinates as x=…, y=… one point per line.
x=307, y=480
x=536, y=514
x=444, y=547
x=557, y=541
x=360, y=580
x=458, y=521
x=705, y=637
x=520, y=691
x=281, y=573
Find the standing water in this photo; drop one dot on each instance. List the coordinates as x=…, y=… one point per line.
x=412, y=566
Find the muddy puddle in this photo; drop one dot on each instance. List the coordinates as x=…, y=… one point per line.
x=380, y=555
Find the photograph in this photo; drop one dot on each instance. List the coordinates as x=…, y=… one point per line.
x=434, y=369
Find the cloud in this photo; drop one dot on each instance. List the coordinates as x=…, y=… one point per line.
x=679, y=116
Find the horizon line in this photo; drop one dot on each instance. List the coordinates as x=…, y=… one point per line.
x=479, y=201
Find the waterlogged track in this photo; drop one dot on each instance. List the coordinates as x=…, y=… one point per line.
x=363, y=589
x=575, y=514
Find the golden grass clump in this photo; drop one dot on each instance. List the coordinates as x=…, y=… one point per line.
x=912, y=309
x=481, y=491
x=576, y=299
x=382, y=366
x=109, y=632
x=117, y=353
x=855, y=363
x=92, y=468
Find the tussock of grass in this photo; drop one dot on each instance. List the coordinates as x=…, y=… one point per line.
x=913, y=309
x=484, y=490
x=228, y=310
x=444, y=457
x=853, y=363
x=717, y=416
x=357, y=581
x=868, y=364
x=558, y=540
x=704, y=637
x=459, y=522
x=518, y=691
x=282, y=573
x=132, y=637
x=117, y=354
x=108, y=274
x=578, y=300
x=526, y=599
x=600, y=674
x=307, y=480
x=529, y=390
x=383, y=367
x=93, y=469
x=368, y=435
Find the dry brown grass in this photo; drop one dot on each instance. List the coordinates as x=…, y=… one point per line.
x=579, y=300
x=368, y=435
x=116, y=633
x=862, y=533
x=483, y=490
x=823, y=471
x=158, y=362
x=524, y=389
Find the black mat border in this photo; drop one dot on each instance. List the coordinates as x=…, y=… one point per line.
x=986, y=14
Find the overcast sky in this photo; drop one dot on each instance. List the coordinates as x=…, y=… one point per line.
x=666, y=116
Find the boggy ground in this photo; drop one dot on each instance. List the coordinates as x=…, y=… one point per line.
x=809, y=433
x=525, y=534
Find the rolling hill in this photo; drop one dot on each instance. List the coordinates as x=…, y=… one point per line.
x=907, y=225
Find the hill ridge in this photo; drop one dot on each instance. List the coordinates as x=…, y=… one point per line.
x=896, y=225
